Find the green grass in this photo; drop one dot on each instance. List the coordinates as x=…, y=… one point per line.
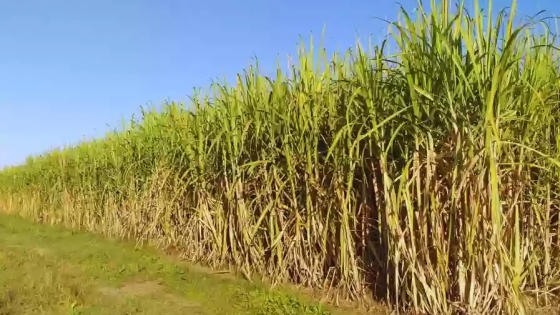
x=46, y=270
x=429, y=174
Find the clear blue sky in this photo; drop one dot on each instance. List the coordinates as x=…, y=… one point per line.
x=69, y=68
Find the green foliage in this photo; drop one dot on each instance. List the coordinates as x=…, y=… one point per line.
x=281, y=304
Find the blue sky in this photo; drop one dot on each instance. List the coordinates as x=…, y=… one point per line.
x=69, y=68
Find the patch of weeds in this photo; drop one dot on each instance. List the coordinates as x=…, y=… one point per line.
x=277, y=303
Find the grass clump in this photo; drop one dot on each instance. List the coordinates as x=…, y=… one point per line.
x=429, y=176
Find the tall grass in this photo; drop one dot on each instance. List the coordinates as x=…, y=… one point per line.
x=429, y=176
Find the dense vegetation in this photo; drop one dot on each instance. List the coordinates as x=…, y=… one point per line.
x=429, y=176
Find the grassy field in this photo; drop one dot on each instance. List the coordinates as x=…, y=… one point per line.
x=425, y=169
x=46, y=270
